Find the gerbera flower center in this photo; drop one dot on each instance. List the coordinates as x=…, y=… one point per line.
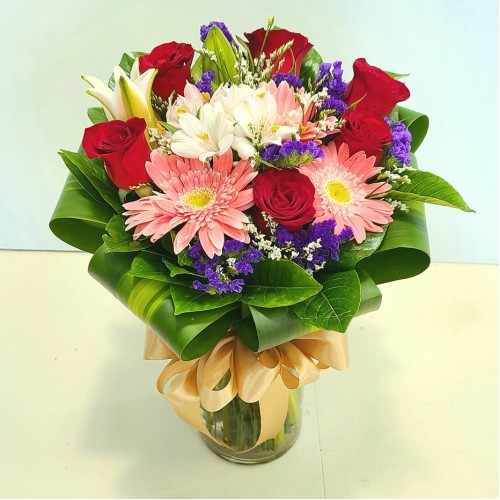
x=338, y=192
x=199, y=198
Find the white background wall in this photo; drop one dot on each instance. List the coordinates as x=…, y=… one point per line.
x=448, y=46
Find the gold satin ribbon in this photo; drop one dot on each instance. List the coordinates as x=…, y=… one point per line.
x=264, y=377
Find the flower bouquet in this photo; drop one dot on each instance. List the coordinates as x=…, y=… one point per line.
x=245, y=201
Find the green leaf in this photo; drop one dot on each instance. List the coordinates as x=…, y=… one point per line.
x=176, y=270
x=417, y=124
x=126, y=63
x=187, y=299
x=335, y=305
x=189, y=335
x=351, y=252
x=97, y=115
x=225, y=68
x=310, y=67
x=275, y=326
x=429, y=188
x=278, y=284
x=78, y=219
x=118, y=239
x=151, y=267
x=246, y=331
x=396, y=76
x=404, y=251
x=197, y=69
x=93, y=178
x=371, y=297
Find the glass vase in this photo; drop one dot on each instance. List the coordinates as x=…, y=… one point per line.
x=237, y=425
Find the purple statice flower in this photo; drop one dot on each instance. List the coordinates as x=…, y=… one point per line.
x=330, y=76
x=401, y=142
x=204, y=84
x=205, y=29
x=334, y=103
x=292, y=153
x=314, y=246
x=293, y=80
x=271, y=152
x=231, y=246
x=222, y=274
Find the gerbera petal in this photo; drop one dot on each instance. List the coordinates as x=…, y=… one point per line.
x=224, y=163
x=206, y=243
x=184, y=236
x=244, y=200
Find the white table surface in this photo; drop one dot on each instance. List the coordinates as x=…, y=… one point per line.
x=414, y=416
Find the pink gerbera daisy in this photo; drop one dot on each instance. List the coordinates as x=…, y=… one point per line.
x=343, y=194
x=208, y=200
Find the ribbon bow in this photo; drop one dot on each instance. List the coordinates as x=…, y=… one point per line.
x=263, y=377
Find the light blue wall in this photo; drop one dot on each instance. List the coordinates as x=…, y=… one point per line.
x=448, y=46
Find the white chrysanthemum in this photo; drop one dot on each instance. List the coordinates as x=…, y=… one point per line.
x=210, y=134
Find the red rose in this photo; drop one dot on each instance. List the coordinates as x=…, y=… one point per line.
x=286, y=195
x=124, y=149
x=364, y=132
x=173, y=61
x=379, y=92
x=275, y=39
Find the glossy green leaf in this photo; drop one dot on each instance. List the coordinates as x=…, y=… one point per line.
x=117, y=239
x=245, y=329
x=225, y=68
x=176, y=270
x=93, y=178
x=278, y=284
x=78, y=219
x=335, y=305
x=351, y=252
x=126, y=63
x=429, y=188
x=97, y=115
x=151, y=267
x=404, y=251
x=187, y=299
x=310, y=67
x=197, y=69
x=190, y=335
x=417, y=123
x=275, y=326
x=371, y=296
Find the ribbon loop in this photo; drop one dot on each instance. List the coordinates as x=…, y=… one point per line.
x=264, y=377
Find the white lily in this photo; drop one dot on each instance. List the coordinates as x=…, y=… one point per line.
x=258, y=123
x=210, y=134
x=130, y=97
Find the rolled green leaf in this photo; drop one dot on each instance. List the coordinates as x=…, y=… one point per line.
x=278, y=283
x=429, y=188
x=335, y=305
x=417, y=123
x=274, y=327
x=404, y=251
x=190, y=335
x=78, y=219
x=371, y=296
